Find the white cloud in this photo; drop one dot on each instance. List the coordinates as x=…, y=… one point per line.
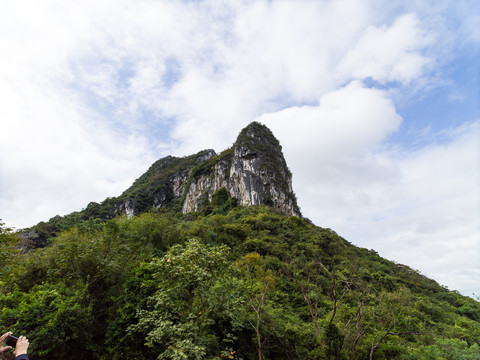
x=389, y=53
x=334, y=141
x=235, y=60
x=56, y=155
x=55, y=158
x=279, y=54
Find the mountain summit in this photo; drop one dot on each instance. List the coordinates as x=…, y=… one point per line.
x=253, y=171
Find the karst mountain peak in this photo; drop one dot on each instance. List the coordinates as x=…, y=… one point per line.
x=253, y=171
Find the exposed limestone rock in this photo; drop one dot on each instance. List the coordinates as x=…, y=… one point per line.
x=162, y=185
x=253, y=171
x=256, y=173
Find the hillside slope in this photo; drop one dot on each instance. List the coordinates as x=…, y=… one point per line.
x=238, y=283
x=207, y=257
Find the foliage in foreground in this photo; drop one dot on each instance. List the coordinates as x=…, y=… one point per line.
x=229, y=283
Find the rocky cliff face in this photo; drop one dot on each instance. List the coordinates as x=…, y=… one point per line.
x=253, y=170
x=162, y=185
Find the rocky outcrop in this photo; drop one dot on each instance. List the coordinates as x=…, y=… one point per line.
x=253, y=170
x=162, y=185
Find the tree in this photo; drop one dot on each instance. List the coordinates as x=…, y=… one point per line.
x=195, y=310
x=258, y=284
x=311, y=282
x=391, y=317
x=445, y=349
x=7, y=245
x=53, y=318
x=359, y=331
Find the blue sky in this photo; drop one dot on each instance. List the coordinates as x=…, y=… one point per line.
x=375, y=103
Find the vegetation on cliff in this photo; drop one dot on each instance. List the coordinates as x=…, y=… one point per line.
x=227, y=282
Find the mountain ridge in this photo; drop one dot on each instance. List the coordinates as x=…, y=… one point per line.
x=252, y=172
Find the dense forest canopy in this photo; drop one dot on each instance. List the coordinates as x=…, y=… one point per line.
x=227, y=282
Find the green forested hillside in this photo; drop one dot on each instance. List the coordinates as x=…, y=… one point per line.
x=226, y=283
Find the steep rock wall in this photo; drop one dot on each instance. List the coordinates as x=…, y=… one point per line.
x=255, y=174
